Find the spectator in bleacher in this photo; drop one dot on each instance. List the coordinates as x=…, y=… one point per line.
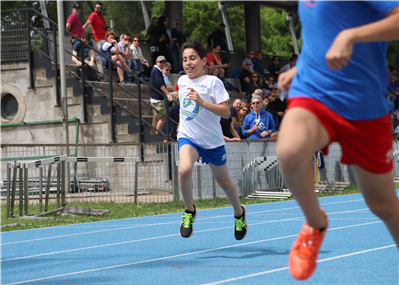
x=98, y=25
x=258, y=64
x=124, y=50
x=110, y=49
x=269, y=82
x=255, y=83
x=393, y=86
x=218, y=38
x=257, y=92
x=163, y=39
x=245, y=76
x=234, y=113
x=258, y=124
x=152, y=38
x=397, y=59
x=166, y=72
x=244, y=103
x=214, y=63
x=250, y=59
x=271, y=107
x=274, y=68
x=242, y=113
x=394, y=72
x=174, y=114
x=289, y=65
x=73, y=24
x=281, y=106
x=176, y=51
x=295, y=57
x=157, y=100
x=142, y=64
x=89, y=56
x=265, y=103
x=229, y=132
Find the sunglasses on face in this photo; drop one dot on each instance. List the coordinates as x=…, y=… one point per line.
x=128, y=39
x=99, y=8
x=255, y=76
x=162, y=61
x=255, y=102
x=177, y=24
x=136, y=40
x=168, y=70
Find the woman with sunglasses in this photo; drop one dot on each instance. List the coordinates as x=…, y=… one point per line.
x=255, y=83
x=142, y=63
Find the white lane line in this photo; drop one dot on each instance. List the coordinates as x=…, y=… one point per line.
x=160, y=237
x=174, y=256
x=157, y=224
x=285, y=268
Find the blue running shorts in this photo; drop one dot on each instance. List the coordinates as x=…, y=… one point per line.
x=216, y=156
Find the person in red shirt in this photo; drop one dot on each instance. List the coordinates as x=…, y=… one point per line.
x=98, y=25
x=214, y=63
x=73, y=24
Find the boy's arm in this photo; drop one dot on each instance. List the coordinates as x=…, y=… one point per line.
x=341, y=49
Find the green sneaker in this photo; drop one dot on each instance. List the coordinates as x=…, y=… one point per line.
x=240, y=229
x=186, y=226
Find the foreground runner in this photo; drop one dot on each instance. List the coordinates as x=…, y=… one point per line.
x=338, y=94
x=203, y=100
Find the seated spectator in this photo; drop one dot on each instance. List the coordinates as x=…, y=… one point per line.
x=244, y=103
x=269, y=83
x=280, y=106
x=174, y=114
x=166, y=72
x=233, y=110
x=265, y=103
x=271, y=107
x=125, y=51
x=242, y=112
x=214, y=63
x=257, y=92
x=89, y=57
x=255, y=83
x=274, y=68
x=250, y=59
x=289, y=65
x=258, y=124
x=258, y=64
x=110, y=49
x=229, y=133
x=393, y=86
x=395, y=74
x=143, y=67
x=245, y=76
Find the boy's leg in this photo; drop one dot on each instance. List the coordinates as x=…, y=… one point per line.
x=222, y=177
x=188, y=155
x=380, y=195
x=301, y=134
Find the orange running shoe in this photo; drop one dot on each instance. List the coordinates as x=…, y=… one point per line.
x=304, y=251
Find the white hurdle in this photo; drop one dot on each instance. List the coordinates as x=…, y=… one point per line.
x=61, y=161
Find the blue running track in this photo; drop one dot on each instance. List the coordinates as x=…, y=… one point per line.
x=356, y=250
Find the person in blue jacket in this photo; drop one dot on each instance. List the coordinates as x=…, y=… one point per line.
x=258, y=124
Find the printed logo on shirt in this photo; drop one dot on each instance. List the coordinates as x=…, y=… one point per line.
x=190, y=109
x=308, y=4
x=259, y=123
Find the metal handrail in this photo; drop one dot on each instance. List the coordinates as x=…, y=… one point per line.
x=110, y=61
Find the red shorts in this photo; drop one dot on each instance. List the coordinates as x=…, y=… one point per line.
x=366, y=143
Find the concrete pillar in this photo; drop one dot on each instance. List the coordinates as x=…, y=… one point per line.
x=252, y=26
x=174, y=10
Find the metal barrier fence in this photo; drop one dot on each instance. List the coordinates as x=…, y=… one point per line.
x=14, y=45
x=157, y=171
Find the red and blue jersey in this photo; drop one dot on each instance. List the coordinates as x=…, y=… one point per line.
x=358, y=91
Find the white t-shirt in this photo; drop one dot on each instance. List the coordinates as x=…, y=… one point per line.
x=197, y=124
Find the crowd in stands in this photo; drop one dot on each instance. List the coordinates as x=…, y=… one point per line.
x=256, y=115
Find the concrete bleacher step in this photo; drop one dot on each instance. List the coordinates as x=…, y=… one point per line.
x=330, y=186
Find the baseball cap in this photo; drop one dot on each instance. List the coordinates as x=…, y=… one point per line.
x=76, y=6
x=160, y=58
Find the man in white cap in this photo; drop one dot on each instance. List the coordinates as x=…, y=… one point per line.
x=73, y=24
x=157, y=100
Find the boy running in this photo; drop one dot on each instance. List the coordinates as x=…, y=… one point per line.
x=203, y=100
x=338, y=94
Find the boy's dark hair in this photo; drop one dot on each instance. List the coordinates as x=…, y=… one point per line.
x=86, y=35
x=195, y=45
